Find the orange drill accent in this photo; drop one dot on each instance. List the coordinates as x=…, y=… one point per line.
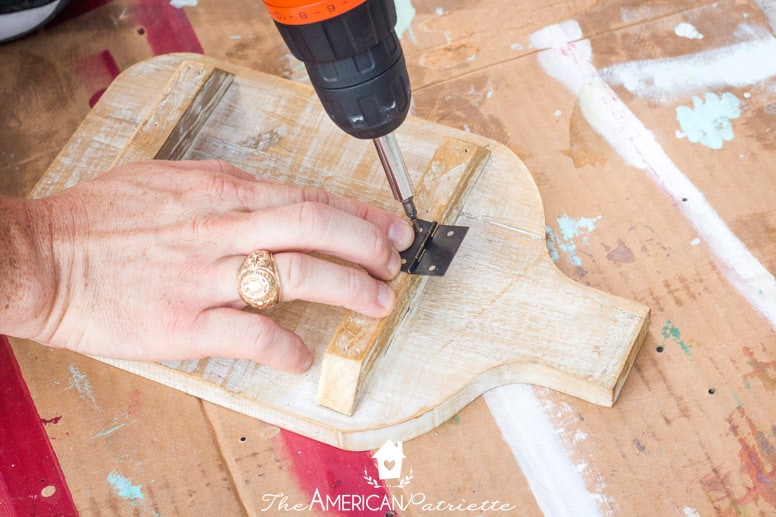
x=303, y=12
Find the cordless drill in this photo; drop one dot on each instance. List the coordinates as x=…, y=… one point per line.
x=356, y=64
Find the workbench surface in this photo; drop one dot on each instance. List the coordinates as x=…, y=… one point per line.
x=650, y=130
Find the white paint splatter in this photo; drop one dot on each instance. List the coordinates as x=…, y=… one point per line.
x=572, y=65
x=555, y=480
x=690, y=512
x=405, y=13
x=516, y=46
x=440, y=11
x=738, y=65
x=709, y=123
x=695, y=242
x=687, y=30
x=579, y=435
x=180, y=4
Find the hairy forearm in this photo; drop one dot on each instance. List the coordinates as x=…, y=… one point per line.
x=25, y=267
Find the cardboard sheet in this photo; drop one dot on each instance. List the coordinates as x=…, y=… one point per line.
x=634, y=206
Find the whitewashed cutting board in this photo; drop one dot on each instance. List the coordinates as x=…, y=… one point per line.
x=502, y=314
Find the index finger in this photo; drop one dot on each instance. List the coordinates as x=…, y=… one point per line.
x=259, y=195
x=270, y=195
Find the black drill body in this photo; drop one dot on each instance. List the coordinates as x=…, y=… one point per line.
x=356, y=65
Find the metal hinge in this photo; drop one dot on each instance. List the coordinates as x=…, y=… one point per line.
x=434, y=248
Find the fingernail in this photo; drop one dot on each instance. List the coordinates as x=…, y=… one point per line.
x=386, y=297
x=401, y=234
x=308, y=362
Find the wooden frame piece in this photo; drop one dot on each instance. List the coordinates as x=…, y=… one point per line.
x=359, y=340
x=187, y=101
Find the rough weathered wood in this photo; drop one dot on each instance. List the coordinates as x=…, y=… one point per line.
x=502, y=314
x=359, y=340
x=186, y=102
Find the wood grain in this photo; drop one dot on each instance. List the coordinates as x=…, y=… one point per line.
x=185, y=104
x=359, y=340
x=502, y=314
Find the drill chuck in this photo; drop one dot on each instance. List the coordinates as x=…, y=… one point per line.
x=353, y=57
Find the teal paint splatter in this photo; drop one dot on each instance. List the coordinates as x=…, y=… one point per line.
x=672, y=333
x=710, y=123
x=125, y=489
x=79, y=381
x=106, y=433
x=571, y=230
x=571, y=227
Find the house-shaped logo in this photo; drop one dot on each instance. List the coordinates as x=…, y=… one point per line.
x=389, y=458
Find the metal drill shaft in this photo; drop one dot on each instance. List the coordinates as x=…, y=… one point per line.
x=396, y=172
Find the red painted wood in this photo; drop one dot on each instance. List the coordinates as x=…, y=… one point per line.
x=334, y=480
x=166, y=28
x=31, y=480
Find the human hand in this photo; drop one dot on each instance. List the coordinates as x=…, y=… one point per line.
x=141, y=263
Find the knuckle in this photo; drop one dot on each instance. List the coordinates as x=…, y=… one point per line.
x=205, y=230
x=221, y=187
x=216, y=186
x=263, y=332
x=357, y=283
x=314, y=218
x=295, y=273
x=222, y=166
x=316, y=195
x=376, y=243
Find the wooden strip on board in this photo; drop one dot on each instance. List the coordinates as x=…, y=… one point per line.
x=359, y=340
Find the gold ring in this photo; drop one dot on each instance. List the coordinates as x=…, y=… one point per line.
x=257, y=280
